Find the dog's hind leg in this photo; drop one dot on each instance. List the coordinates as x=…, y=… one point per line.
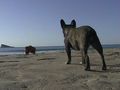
x=97, y=45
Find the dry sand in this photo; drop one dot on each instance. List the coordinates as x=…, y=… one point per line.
x=48, y=71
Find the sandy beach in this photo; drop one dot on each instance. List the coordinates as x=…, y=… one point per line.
x=48, y=71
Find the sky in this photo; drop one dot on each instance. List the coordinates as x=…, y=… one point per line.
x=37, y=22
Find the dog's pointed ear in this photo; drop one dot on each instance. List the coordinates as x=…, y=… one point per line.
x=62, y=23
x=73, y=22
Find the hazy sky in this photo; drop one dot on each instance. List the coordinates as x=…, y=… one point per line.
x=37, y=22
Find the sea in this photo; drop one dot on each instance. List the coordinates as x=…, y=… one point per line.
x=44, y=49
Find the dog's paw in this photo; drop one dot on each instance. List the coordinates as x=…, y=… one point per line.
x=67, y=62
x=81, y=63
x=87, y=69
x=104, y=68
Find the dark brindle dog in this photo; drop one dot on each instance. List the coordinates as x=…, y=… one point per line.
x=30, y=49
x=80, y=39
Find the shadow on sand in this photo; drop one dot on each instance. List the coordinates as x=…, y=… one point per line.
x=7, y=61
x=110, y=68
x=46, y=59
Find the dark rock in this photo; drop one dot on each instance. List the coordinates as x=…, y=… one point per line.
x=5, y=46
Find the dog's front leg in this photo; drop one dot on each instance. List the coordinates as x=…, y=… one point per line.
x=68, y=51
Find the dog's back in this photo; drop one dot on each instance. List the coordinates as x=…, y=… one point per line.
x=81, y=36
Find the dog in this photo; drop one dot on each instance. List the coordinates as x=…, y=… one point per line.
x=80, y=38
x=30, y=49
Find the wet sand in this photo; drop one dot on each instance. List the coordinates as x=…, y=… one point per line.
x=48, y=71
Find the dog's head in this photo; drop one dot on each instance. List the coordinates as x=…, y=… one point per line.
x=67, y=27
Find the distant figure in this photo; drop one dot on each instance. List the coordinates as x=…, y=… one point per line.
x=30, y=49
x=80, y=39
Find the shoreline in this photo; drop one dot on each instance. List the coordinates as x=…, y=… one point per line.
x=47, y=51
x=44, y=49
